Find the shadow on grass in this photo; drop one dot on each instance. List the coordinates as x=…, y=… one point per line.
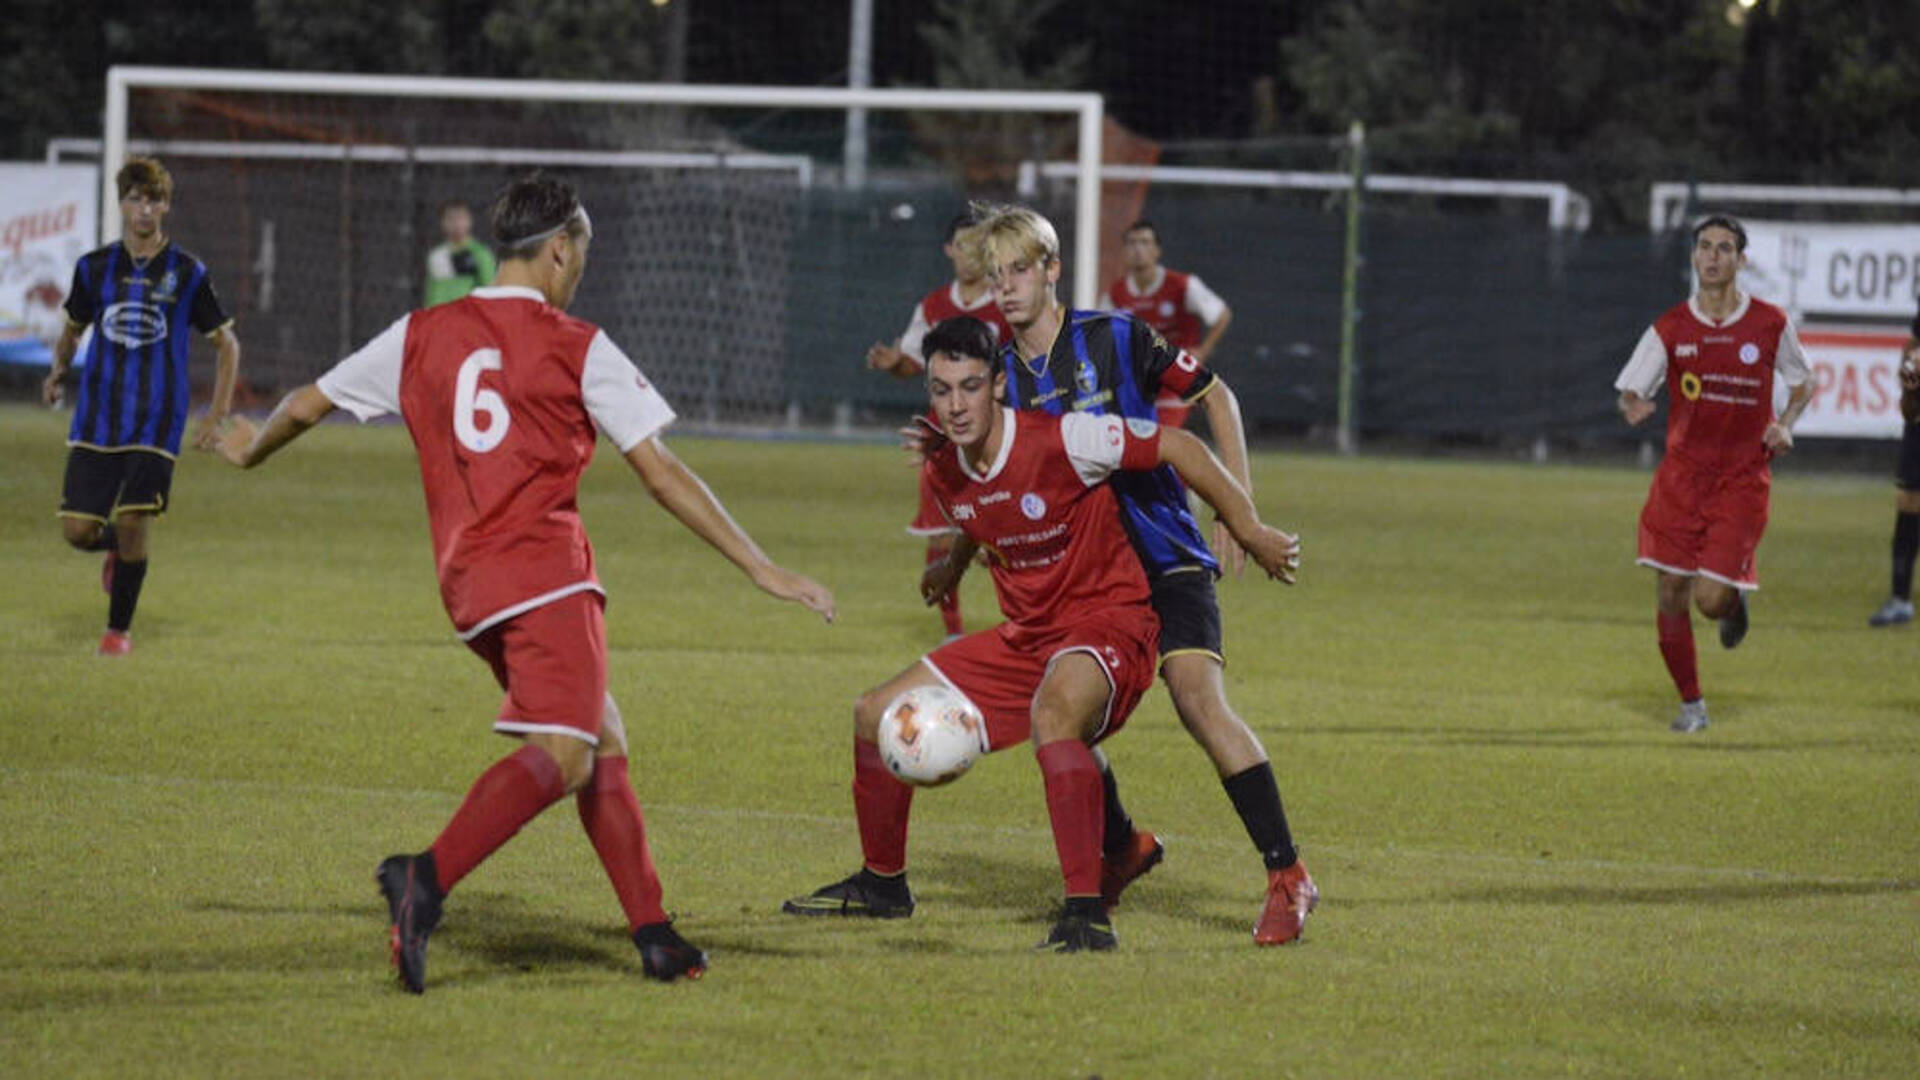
x=1603, y=738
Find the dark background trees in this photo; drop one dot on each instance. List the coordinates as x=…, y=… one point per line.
x=1604, y=94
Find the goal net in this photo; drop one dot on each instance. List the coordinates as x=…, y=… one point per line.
x=737, y=258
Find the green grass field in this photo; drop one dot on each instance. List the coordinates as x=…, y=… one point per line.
x=1524, y=873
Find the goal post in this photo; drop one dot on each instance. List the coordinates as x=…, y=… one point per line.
x=739, y=261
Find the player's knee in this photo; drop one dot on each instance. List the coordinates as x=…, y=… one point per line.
x=613, y=730
x=80, y=532
x=1715, y=601
x=867, y=710
x=574, y=756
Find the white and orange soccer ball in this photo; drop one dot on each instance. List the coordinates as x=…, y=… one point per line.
x=929, y=735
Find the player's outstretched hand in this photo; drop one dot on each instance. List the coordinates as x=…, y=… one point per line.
x=1278, y=553
x=231, y=439
x=1778, y=439
x=921, y=438
x=1233, y=557
x=799, y=588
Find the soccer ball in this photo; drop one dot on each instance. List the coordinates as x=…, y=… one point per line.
x=929, y=735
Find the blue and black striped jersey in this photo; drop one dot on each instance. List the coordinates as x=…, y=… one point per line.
x=1108, y=362
x=133, y=378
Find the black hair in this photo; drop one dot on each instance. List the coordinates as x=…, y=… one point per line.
x=1722, y=221
x=455, y=204
x=963, y=335
x=531, y=209
x=1143, y=223
x=960, y=221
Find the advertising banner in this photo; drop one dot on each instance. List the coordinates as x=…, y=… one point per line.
x=1845, y=271
x=1856, y=382
x=48, y=219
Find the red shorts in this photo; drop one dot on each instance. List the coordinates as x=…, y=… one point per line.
x=929, y=521
x=1705, y=523
x=552, y=662
x=1000, y=669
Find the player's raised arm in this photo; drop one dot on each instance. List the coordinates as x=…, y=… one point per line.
x=1277, y=552
x=246, y=446
x=688, y=498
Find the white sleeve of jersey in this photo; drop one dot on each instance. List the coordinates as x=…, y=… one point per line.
x=1789, y=359
x=1098, y=445
x=367, y=384
x=623, y=404
x=1203, y=301
x=916, y=333
x=1647, y=368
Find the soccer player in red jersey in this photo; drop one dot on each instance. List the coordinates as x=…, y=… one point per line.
x=1187, y=313
x=1719, y=354
x=504, y=395
x=1078, y=647
x=1109, y=362
x=969, y=293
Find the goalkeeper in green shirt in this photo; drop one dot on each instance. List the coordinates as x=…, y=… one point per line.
x=461, y=263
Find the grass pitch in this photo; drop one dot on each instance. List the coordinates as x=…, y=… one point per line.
x=1524, y=873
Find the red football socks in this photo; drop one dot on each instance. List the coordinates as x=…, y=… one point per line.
x=1676, y=648
x=950, y=603
x=881, y=804
x=505, y=798
x=610, y=813
x=1074, y=796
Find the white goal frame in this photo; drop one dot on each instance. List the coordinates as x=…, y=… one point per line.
x=1566, y=208
x=1667, y=199
x=1088, y=109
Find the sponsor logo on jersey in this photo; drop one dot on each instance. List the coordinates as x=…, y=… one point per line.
x=963, y=512
x=1033, y=506
x=131, y=324
x=992, y=497
x=1689, y=349
x=1690, y=386
x=1749, y=354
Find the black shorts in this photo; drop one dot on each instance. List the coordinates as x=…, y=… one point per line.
x=1909, y=475
x=103, y=483
x=1189, y=614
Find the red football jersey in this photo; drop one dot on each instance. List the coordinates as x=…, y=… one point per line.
x=944, y=303
x=502, y=394
x=1720, y=380
x=1050, y=527
x=1164, y=308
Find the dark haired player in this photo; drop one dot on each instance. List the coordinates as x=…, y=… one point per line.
x=968, y=293
x=1718, y=354
x=142, y=296
x=1076, y=651
x=1906, y=500
x=504, y=395
x=1179, y=305
x=1110, y=363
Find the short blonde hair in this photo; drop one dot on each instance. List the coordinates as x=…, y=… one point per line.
x=1003, y=231
x=145, y=175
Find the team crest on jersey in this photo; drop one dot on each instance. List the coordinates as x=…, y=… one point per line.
x=1749, y=354
x=1142, y=429
x=169, y=284
x=1166, y=309
x=1690, y=386
x=1033, y=506
x=131, y=325
x=1085, y=377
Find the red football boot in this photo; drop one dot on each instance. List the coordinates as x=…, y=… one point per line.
x=1117, y=872
x=114, y=643
x=1290, y=896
